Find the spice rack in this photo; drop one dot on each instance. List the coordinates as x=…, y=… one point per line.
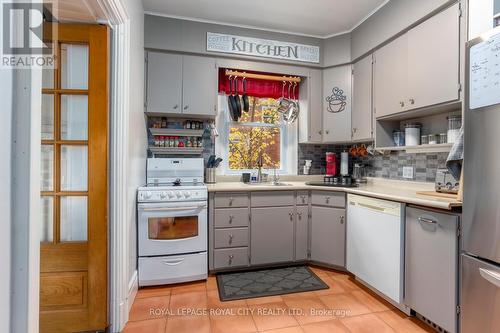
x=176, y=150
x=176, y=132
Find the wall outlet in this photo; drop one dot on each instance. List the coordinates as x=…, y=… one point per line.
x=408, y=172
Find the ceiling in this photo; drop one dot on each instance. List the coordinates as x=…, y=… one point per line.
x=316, y=18
x=78, y=11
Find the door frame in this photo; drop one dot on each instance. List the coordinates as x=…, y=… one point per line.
x=25, y=126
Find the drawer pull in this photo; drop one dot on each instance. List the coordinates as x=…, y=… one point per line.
x=231, y=238
x=231, y=218
x=173, y=262
x=299, y=214
x=342, y=219
x=303, y=197
x=327, y=199
x=231, y=259
x=426, y=220
x=231, y=201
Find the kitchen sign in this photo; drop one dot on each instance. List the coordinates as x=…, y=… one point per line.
x=262, y=47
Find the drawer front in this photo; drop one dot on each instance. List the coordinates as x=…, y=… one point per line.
x=273, y=199
x=172, y=269
x=234, y=257
x=302, y=198
x=329, y=199
x=228, y=200
x=226, y=218
x=231, y=237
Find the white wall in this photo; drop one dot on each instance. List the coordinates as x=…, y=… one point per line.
x=137, y=145
x=391, y=19
x=5, y=196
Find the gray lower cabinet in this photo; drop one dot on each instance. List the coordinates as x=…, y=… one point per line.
x=301, y=232
x=230, y=257
x=431, y=265
x=272, y=231
x=328, y=235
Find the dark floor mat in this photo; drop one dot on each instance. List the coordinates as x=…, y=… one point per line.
x=267, y=282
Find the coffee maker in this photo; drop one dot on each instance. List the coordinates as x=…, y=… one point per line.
x=331, y=164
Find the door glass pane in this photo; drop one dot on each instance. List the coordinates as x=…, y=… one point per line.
x=74, y=66
x=47, y=205
x=74, y=118
x=73, y=219
x=47, y=117
x=73, y=168
x=48, y=75
x=173, y=227
x=47, y=168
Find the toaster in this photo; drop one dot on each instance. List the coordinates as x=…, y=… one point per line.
x=445, y=182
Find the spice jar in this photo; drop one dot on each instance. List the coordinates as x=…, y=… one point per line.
x=424, y=139
x=188, y=142
x=433, y=139
x=443, y=138
x=412, y=134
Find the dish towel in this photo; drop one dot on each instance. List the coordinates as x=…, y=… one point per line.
x=456, y=156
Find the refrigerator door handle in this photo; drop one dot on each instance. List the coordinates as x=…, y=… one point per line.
x=490, y=276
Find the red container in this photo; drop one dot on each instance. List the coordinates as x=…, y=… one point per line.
x=331, y=164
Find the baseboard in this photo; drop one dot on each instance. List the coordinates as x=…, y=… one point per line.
x=133, y=286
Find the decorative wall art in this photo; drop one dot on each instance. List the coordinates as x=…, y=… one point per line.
x=336, y=101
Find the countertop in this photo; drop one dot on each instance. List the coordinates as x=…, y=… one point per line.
x=395, y=190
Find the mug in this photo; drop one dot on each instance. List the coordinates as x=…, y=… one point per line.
x=353, y=151
x=362, y=151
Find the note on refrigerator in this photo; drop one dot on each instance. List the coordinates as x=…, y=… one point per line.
x=484, y=73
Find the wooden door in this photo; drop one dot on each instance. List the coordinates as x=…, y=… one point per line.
x=164, y=83
x=433, y=60
x=272, y=235
x=199, y=86
x=337, y=104
x=362, y=99
x=390, y=78
x=328, y=235
x=74, y=197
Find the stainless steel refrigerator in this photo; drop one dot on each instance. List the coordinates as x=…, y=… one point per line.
x=480, y=259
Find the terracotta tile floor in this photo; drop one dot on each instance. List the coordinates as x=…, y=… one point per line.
x=195, y=307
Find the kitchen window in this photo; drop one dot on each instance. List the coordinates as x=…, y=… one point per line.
x=259, y=133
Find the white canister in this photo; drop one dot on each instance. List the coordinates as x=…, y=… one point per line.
x=412, y=134
x=344, y=163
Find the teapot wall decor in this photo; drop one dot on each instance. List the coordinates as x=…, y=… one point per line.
x=336, y=101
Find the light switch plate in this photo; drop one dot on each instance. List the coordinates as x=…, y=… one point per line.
x=408, y=172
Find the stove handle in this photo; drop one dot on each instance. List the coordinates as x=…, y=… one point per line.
x=173, y=262
x=169, y=209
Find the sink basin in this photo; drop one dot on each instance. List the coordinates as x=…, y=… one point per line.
x=269, y=184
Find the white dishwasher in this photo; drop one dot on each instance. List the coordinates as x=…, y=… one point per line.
x=375, y=244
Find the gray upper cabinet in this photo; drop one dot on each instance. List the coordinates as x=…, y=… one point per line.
x=311, y=122
x=199, y=86
x=420, y=68
x=177, y=84
x=390, y=77
x=163, y=83
x=328, y=235
x=362, y=100
x=431, y=265
x=337, y=104
x=433, y=60
x=272, y=231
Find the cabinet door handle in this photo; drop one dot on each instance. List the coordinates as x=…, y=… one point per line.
x=231, y=218
x=303, y=197
x=231, y=259
x=327, y=131
x=231, y=201
x=402, y=104
x=354, y=130
x=342, y=219
x=412, y=101
x=327, y=199
x=186, y=107
x=175, y=106
x=231, y=238
x=299, y=214
x=320, y=131
x=426, y=220
x=291, y=216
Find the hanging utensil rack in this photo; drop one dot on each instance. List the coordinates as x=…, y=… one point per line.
x=263, y=76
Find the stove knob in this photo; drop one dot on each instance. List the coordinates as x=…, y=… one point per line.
x=148, y=195
x=163, y=195
x=178, y=194
x=170, y=194
x=187, y=194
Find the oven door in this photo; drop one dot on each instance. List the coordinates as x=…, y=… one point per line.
x=172, y=228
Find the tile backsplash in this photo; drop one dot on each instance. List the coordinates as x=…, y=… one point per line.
x=383, y=166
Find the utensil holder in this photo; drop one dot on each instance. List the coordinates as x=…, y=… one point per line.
x=210, y=175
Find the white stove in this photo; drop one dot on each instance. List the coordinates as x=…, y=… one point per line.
x=172, y=222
